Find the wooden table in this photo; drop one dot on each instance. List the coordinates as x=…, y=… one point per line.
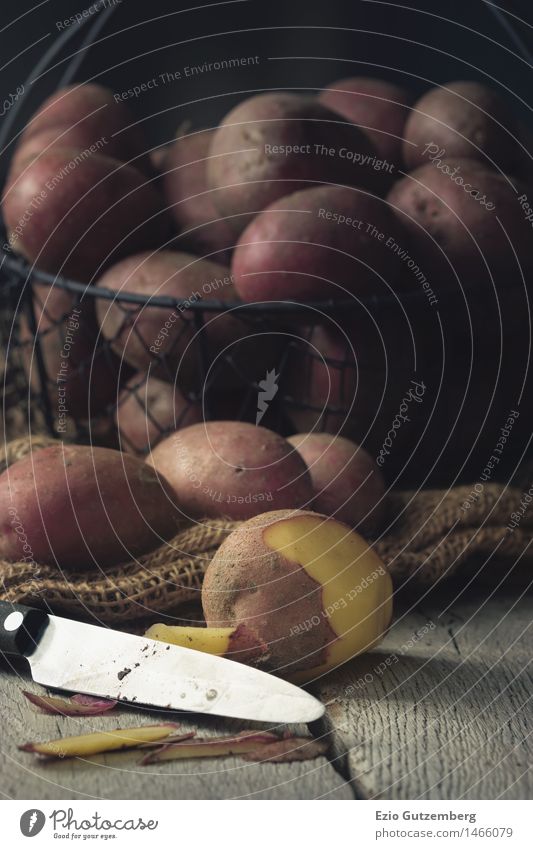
x=440, y=710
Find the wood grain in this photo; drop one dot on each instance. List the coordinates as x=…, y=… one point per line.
x=119, y=776
x=442, y=709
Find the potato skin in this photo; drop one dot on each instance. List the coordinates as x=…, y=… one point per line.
x=452, y=232
x=185, y=187
x=147, y=409
x=136, y=332
x=333, y=386
x=248, y=583
x=463, y=118
x=296, y=250
x=380, y=108
x=89, y=114
x=81, y=372
x=248, y=181
x=232, y=469
x=133, y=330
x=98, y=211
x=321, y=382
x=347, y=482
x=39, y=143
x=83, y=507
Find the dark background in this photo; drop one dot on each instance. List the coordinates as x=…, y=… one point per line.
x=330, y=38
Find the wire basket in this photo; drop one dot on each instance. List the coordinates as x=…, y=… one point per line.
x=459, y=383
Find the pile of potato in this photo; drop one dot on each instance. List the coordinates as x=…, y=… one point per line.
x=293, y=591
x=359, y=195
x=343, y=205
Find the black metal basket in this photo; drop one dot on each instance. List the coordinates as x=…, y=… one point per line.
x=471, y=385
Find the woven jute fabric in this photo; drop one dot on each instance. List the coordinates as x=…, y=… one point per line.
x=431, y=535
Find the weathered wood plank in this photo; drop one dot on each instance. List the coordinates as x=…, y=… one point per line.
x=442, y=709
x=439, y=711
x=118, y=775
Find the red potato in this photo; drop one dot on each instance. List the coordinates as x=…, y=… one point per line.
x=148, y=409
x=73, y=213
x=464, y=219
x=163, y=336
x=167, y=338
x=347, y=482
x=232, y=469
x=330, y=386
x=89, y=115
x=83, y=508
x=83, y=375
x=202, y=229
x=463, y=119
x=305, y=585
x=38, y=144
x=383, y=401
x=324, y=242
x=378, y=107
x=320, y=382
x=274, y=144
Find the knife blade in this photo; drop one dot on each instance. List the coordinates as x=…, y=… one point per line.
x=97, y=661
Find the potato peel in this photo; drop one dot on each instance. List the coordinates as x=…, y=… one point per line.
x=211, y=747
x=78, y=705
x=174, y=738
x=287, y=750
x=101, y=741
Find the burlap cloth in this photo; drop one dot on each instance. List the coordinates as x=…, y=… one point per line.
x=431, y=535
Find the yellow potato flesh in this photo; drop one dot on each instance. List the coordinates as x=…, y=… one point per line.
x=102, y=741
x=210, y=640
x=356, y=588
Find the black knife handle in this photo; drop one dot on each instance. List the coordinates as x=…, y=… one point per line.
x=20, y=628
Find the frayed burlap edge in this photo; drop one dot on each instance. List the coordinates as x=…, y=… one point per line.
x=432, y=534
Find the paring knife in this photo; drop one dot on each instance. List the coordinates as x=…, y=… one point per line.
x=81, y=658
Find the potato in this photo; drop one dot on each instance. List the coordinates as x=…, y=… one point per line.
x=274, y=144
x=72, y=213
x=83, y=508
x=184, y=168
x=463, y=119
x=38, y=144
x=324, y=242
x=305, y=585
x=88, y=114
x=148, y=409
x=144, y=335
x=378, y=107
x=167, y=338
x=320, y=381
x=83, y=376
x=347, y=482
x=232, y=469
x=333, y=384
x=463, y=228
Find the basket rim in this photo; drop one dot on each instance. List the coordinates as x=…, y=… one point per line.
x=25, y=273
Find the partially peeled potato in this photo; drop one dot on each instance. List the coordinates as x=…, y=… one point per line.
x=304, y=589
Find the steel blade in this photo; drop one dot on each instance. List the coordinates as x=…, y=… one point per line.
x=97, y=661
